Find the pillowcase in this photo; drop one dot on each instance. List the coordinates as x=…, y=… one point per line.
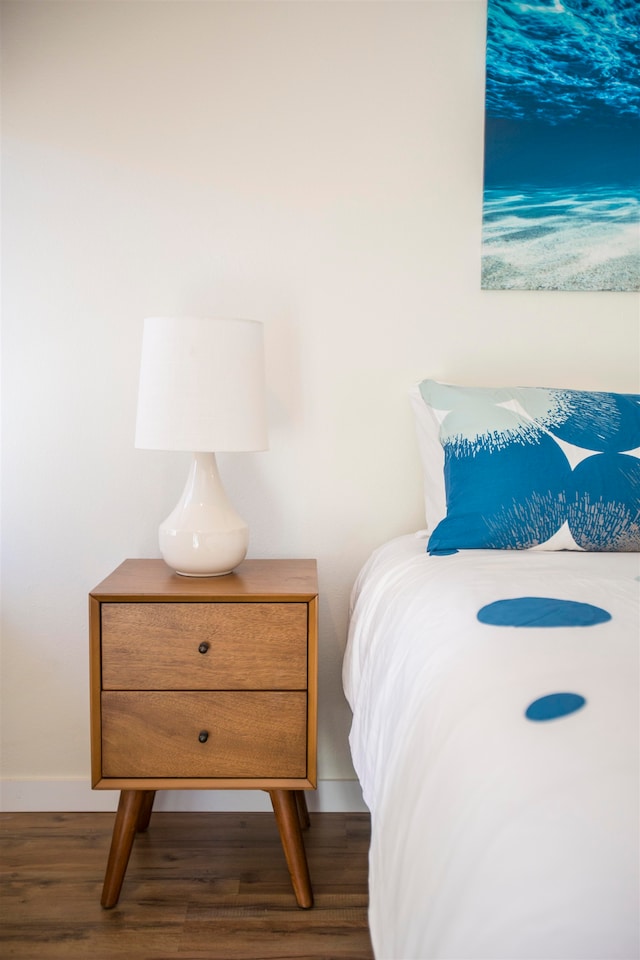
x=529, y=468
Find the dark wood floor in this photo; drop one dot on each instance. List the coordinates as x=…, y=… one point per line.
x=199, y=886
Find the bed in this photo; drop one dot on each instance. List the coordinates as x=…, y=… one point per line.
x=495, y=689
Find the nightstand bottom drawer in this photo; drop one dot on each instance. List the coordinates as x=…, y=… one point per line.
x=206, y=735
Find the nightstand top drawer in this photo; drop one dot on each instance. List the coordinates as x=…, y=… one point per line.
x=204, y=646
x=253, y=580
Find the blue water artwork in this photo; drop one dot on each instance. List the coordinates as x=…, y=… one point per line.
x=562, y=145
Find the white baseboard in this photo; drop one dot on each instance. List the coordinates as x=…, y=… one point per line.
x=74, y=795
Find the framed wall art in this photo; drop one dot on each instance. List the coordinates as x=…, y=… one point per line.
x=561, y=202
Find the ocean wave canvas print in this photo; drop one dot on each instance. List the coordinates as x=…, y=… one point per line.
x=561, y=205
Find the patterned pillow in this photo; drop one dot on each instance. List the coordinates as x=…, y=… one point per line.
x=528, y=467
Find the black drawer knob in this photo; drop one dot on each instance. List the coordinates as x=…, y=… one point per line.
x=203, y=736
x=204, y=646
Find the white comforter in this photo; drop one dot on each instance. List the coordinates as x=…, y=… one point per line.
x=494, y=836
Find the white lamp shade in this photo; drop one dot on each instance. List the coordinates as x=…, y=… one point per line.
x=202, y=385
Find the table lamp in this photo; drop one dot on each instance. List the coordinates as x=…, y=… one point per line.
x=202, y=389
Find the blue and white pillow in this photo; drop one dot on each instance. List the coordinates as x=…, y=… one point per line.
x=529, y=468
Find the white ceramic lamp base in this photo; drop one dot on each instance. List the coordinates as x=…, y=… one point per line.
x=203, y=536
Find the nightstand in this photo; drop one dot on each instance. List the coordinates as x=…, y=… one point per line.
x=205, y=683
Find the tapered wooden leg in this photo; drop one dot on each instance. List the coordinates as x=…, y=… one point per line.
x=124, y=831
x=285, y=808
x=145, y=810
x=303, y=812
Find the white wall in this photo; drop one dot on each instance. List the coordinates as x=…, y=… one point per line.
x=316, y=166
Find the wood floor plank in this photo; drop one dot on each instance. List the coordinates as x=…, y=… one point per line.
x=200, y=886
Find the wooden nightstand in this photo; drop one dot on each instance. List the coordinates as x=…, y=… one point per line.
x=205, y=683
